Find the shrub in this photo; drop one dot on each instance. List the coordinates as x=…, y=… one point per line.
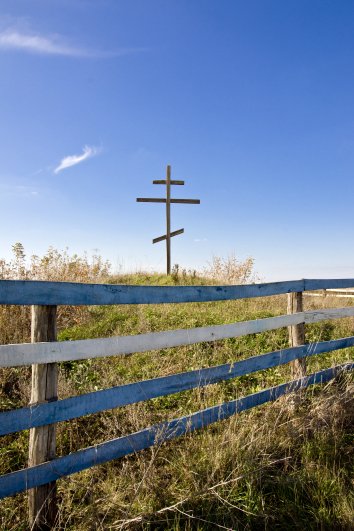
x=230, y=270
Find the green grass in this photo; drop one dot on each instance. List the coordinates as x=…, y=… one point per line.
x=286, y=465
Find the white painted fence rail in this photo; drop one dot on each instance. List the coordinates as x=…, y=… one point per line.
x=15, y=355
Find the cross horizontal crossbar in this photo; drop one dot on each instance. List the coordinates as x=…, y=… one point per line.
x=186, y=201
x=174, y=233
x=162, y=200
x=163, y=181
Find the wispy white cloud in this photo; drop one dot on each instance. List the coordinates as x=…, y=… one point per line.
x=14, y=39
x=198, y=240
x=87, y=153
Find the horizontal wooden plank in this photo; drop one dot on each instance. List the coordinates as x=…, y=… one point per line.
x=31, y=353
x=336, y=293
x=67, y=409
x=322, y=283
x=21, y=480
x=328, y=314
x=150, y=200
x=164, y=237
x=186, y=201
x=22, y=292
x=172, y=181
x=163, y=200
x=348, y=290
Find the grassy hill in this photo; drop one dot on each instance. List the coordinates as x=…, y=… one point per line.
x=286, y=465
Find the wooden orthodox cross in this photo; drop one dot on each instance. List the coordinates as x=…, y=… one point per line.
x=168, y=182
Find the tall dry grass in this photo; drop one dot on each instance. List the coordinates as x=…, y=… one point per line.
x=230, y=270
x=54, y=265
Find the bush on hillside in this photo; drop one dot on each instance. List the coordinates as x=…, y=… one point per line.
x=230, y=270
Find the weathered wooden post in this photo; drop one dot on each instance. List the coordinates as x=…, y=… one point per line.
x=42, y=500
x=296, y=334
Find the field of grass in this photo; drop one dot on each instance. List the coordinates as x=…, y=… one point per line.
x=286, y=465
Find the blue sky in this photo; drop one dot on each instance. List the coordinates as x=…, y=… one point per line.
x=251, y=102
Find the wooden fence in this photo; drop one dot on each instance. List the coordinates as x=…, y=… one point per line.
x=45, y=352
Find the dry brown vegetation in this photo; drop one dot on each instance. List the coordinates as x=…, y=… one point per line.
x=286, y=465
x=56, y=266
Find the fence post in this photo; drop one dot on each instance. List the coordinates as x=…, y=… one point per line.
x=296, y=334
x=42, y=500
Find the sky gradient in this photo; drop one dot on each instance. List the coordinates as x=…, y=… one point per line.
x=250, y=102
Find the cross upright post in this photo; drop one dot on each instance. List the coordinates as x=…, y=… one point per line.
x=168, y=182
x=168, y=219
